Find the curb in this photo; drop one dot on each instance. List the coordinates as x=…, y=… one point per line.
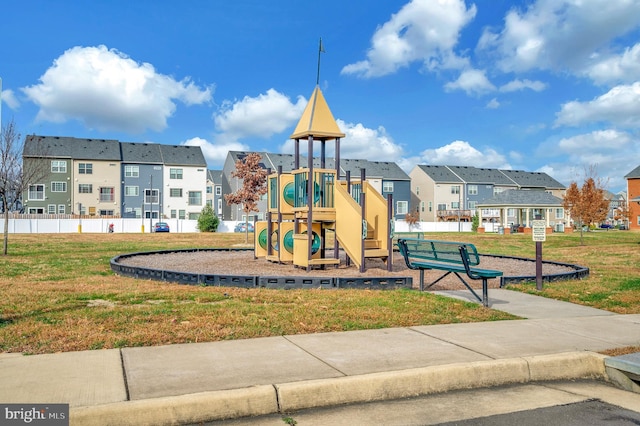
x=288, y=397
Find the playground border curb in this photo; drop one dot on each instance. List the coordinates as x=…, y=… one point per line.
x=306, y=281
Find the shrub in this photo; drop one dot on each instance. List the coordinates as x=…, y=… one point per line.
x=208, y=221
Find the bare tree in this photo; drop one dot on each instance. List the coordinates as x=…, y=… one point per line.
x=14, y=179
x=254, y=186
x=588, y=204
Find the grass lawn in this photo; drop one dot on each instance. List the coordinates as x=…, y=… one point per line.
x=59, y=293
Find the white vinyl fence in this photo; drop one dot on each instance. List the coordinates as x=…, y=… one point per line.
x=100, y=225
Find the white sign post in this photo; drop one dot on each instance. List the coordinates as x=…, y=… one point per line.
x=539, y=234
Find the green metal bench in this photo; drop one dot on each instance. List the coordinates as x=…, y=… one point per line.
x=452, y=257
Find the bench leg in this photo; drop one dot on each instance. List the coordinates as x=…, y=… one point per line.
x=485, y=293
x=480, y=299
x=421, y=279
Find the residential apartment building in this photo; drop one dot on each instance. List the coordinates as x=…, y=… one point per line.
x=99, y=177
x=386, y=177
x=452, y=193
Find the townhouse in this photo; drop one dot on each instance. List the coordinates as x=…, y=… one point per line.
x=386, y=177
x=633, y=194
x=214, y=197
x=454, y=193
x=99, y=177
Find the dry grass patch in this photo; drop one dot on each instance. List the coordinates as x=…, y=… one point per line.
x=59, y=293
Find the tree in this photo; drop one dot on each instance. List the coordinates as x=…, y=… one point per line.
x=587, y=205
x=254, y=186
x=14, y=179
x=208, y=221
x=623, y=213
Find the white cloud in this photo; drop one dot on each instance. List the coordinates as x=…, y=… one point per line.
x=600, y=148
x=422, y=31
x=215, y=153
x=623, y=68
x=493, y=104
x=517, y=85
x=105, y=89
x=559, y=35
x=473, y=82
x=262, y=116
x=9, y=98
x=620, y=106
x=463, y=154
x=359, y=142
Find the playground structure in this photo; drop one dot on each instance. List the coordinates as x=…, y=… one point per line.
x=321, y=200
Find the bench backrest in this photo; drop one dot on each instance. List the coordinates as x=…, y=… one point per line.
x=419, y=250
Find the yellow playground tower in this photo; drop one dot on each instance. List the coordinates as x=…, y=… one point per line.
x=321, y=200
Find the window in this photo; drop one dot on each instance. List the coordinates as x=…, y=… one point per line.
x=219, y=207
x=131, y=191
x=51, y=209
x=218, y=190
x=442, y=207
x=402, y=207
x=85, y=168
x=58, y=166
x=455, y=205
x=173, y=214
x=175, y=173
x=559, y=213
x=455, y=189
x=175, y=192
x=61, y=209
x=430, y=206
x=418, y=191
x=472, y=190
x=106, y=212
x=209, y=190
x=511, y=212
x=182, y=214
x=151, y=196
x=85, y=188
x=472, y=205
x=387, y=186
x=36, y=192
x=132, y=171
x=422, y=206
x=107, y=194
x=58, y=186
x=195, y=198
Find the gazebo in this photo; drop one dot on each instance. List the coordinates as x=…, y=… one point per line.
x=526, y=206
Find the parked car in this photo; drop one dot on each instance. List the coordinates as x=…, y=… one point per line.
x=606, y=226
x=161, y=227
x=242, y=227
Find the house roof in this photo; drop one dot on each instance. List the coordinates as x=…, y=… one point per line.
x=635, y=173
x=532, y=179
x=148, y=153
x=474, y=175
x=317, y=120
x=374, y=169
x=182, y=155
x=522, y=197
x=214, y=176
x=440, y=174
x=73, y=148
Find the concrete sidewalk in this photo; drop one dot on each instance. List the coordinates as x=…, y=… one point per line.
x=190, y=383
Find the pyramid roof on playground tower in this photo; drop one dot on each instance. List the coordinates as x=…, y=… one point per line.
x=317, y=120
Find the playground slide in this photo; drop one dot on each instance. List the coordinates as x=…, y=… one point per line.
x=349, y=225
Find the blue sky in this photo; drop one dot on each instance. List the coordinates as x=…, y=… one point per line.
x=536, y=85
